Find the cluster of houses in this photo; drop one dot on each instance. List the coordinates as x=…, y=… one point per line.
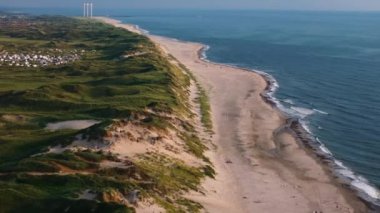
x=53, y=57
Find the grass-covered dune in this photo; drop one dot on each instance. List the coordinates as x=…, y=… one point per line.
x=120, y=75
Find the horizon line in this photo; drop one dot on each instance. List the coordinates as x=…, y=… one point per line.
x=199, y=9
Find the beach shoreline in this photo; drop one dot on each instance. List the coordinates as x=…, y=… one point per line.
x=261, y=163
x=314, y=147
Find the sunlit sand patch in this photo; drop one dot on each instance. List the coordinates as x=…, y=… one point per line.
x=75, y=124
x=87, y=195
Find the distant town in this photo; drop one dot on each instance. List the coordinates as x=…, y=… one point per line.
x=39, y=59
x=33, y=58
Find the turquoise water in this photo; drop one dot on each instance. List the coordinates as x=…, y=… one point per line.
x=327, y=66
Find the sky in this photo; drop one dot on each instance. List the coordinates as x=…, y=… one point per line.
x=206, y=4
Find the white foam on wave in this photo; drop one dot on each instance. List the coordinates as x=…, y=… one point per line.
x=288, y=101
x=321, y=112
x=303, y=112
x=368, y=189
x=339, y=163
x=274, y=85
x=362, y=184
x=323, y=147
x=306, y=127
x=271, y=90
x=358, y=182
x=143, y=31
x=346, y=173
x=203, y=53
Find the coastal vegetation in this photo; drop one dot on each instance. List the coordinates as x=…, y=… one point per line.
x=120, y=80
x=203, y=99
x=205, y=109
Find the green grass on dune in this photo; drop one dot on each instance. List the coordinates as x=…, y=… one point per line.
x=102, y=85
x=55, y=194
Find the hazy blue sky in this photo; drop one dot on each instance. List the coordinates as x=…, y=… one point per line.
x=207, y=4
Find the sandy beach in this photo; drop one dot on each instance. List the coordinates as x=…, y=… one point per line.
x=259, y=168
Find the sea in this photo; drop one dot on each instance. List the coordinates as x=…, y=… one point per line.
x=324, y=67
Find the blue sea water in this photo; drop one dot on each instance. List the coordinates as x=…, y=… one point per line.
x=327, y=65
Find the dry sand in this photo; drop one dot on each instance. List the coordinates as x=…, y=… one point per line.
x=257, y=171
x=75, y=124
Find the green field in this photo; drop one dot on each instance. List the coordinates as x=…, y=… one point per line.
x=103, y=85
